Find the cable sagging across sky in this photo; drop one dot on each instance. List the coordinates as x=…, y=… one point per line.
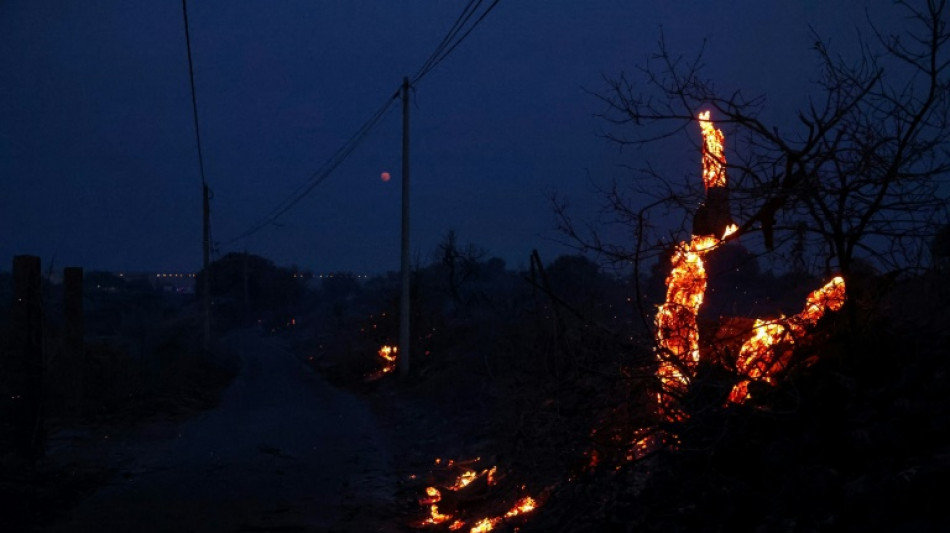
x=320, y=174
x=452, y=39
x=464, y=24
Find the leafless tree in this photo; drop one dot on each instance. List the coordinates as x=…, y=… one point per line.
x=861, y=176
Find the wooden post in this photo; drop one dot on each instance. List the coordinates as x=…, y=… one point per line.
x=402, y=359
x=74, y=341
x=26, y=358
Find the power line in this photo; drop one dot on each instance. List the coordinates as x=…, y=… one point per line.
x=448, y=44
x=453, y=31
x=441, y=51
x=321, y=174
x=194, y=99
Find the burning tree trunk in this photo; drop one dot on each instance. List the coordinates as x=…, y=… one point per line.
x=768, y=350
x=677, y=334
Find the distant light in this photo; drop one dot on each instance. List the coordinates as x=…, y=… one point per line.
x=385, y=176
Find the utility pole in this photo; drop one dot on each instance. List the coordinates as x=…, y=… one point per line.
x=402, y=360
x=74, y=336
x=206, y=286
x=206, y=218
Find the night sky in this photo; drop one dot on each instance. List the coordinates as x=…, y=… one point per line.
x=98, y=165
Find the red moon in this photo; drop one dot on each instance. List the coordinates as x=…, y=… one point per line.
x=384, y=176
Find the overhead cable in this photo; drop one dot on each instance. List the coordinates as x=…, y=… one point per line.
x=443, y=50
x=320, y=174
x=194, y=99
x=448, y=44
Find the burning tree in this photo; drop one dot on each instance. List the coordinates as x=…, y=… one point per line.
x=765, y=352
x=858, y=179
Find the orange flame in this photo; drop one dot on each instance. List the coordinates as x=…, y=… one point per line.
x=435, y=517
x=485, y=524
x=677, y=333
x=464, y=479
x=433, y=496
x=714, y=160
x=760, y=359
x=467, y=476
x=524, y=505
x=388, y=355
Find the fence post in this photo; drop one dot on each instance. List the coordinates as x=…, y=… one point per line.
x=26, y=358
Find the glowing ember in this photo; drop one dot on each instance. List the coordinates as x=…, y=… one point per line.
x=832, y=296
x=388, y=355
x=762, y=356
x=714, y=161
x=490, y=475
x=464, y=479
x=435, y=516
x=432, y=496
x=524, y=505
x=485, y=524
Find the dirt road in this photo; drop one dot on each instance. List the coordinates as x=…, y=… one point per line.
x=283, y=451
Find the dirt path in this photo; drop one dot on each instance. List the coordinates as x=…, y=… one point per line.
x=283, y=451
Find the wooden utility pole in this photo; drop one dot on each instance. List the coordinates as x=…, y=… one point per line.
x=25, y=367
x=206, y=286
x=402, y=360
x=74, y=341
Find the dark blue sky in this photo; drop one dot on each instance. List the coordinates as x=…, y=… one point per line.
x=97, y=156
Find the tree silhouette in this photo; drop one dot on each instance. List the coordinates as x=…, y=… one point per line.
x=860, y=175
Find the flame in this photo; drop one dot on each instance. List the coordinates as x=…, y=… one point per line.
x=435, y=517
x=464, y=479
x=524, y=505
x=730, y=229
x=485, y=524
x=760, y=358
x=434, y=496
x=461, y=481
x=765, y=353
x=714, y=161
x=388, y=355
x=677, y=333
x=831, y=296
x=490, y=475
